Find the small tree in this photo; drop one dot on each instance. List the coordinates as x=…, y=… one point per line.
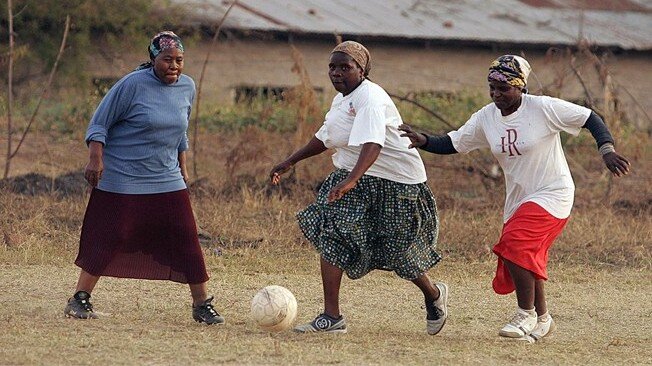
x=96, y=27
x=10, y=85
x=11, y=154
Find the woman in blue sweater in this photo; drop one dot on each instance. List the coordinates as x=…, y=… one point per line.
x=139, y=222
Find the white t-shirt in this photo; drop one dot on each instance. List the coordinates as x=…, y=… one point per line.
x=528, y=148
x=368, y=114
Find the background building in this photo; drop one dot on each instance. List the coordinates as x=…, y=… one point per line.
x=598, y=50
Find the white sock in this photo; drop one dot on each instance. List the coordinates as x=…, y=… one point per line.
x=531, y=312
x=543, y=317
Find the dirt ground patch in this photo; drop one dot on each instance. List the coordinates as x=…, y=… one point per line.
x=33, y=184
x=602, y=315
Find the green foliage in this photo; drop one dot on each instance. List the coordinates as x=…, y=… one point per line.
x=272, y=115
x=68, y=118
x=95, y=25
x=268, y=114
x=281, y=116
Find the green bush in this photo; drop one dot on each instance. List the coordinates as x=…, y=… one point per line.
x=271, y=115
x=70, y=118
x=95, y=27
x=277, y=116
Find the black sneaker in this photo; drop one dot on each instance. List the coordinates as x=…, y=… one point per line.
x=79, y=306
x=205, y=313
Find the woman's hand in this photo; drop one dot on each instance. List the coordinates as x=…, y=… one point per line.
x=617, y=164
x=368, y=155
x=185, y=175
x=417, y=139
x=95, y=166
x=93, y=171
x=275, y=173
x=312, y=148
x=340, y=190
x=183, y=167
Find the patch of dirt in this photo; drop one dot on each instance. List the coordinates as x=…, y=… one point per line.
x=634, y=207
x=34, y=184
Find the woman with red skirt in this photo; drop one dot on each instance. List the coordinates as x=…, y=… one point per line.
x=139, y=222
x=523, y=133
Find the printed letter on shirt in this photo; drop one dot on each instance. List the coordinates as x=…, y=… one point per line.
x=511, y=142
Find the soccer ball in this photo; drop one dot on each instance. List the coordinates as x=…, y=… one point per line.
x=274, y=308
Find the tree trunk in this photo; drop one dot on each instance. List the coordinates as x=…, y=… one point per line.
x=10, y=91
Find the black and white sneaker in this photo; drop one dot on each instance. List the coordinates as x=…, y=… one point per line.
x=79, y=306
x=437, y=310
x=205, y=313
x=323, y=324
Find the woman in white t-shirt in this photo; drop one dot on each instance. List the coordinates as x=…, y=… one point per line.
x=522, y=132
x=375, y=211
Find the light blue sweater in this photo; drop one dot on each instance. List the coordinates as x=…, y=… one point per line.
x=142, y=123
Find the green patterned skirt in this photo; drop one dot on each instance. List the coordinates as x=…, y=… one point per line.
x=379, y=224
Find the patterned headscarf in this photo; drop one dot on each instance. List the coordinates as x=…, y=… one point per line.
x=510, y=69
x=160, y=42
x=358, y=53
x=164, y=41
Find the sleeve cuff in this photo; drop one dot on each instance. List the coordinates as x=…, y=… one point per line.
x=95, y=133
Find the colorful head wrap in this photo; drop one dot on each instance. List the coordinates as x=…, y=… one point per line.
x=358, y=53
x=160, y=42
x=510, y=69
x=164, y=41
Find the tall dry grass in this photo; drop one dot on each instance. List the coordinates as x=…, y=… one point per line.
x=238, y=209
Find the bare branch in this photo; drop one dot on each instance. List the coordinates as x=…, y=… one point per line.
x=581, y=80
x=47, y=85
x=636, y=102
x=21, y=10
x=430, y=111
x=533, y=74
x=477, y=163
x=199, y=85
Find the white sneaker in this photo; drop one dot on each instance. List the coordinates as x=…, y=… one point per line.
x=521, y=324
x=438, y=313
x=542, y=329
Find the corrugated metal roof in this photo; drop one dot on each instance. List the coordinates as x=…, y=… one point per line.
x=610, y=5
x=513, y=21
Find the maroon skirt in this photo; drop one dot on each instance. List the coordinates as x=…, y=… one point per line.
x=145, y=236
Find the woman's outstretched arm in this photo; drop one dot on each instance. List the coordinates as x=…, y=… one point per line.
x=442, y=145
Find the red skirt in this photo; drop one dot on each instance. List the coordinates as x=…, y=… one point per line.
x=525, y=241
x=145, y=236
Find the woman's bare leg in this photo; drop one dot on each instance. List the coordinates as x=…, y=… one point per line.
x=524, y=282
x=331, y=277
x=86, y=282
x=199, y=293
x=540, y=297
x=430, y=292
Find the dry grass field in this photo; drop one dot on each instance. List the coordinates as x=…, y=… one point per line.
x=600, y=289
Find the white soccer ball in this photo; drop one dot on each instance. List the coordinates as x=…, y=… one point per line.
x=274, y=308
